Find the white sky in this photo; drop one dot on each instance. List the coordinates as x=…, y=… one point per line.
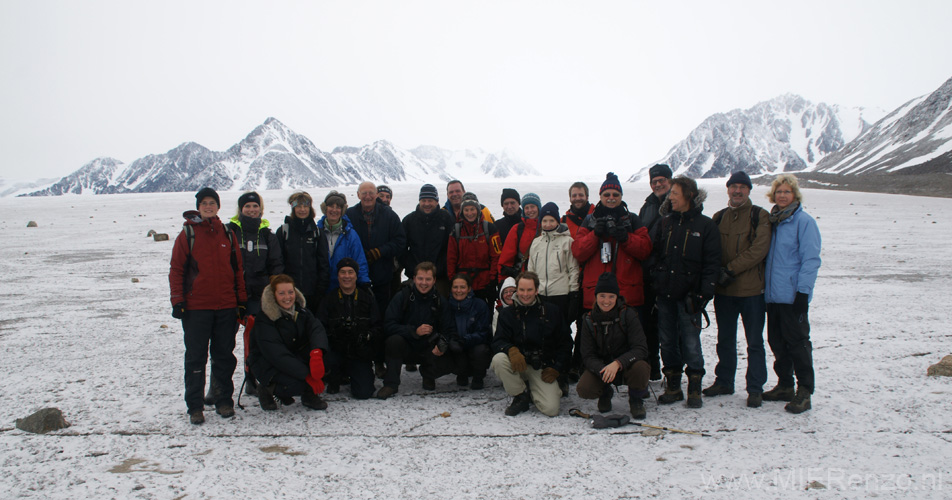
x=565, y=85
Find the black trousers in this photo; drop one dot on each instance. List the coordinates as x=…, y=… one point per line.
x=399, y=352
x=788, y=335
x=648, y=315
x=475, y=361
x=361, y=373
x=215, y=331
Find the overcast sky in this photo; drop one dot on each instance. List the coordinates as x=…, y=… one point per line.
x=564, y=85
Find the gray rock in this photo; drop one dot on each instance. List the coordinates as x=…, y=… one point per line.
x=43, y=421
x=942, y=368
x=32, y=223
x=160, y=237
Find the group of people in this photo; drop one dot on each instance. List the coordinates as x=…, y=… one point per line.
x=325, y=306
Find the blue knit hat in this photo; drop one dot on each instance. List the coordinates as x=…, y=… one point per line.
x=532, y=199
x=550, y=208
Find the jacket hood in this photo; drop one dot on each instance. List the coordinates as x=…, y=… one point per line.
x=236, y=220
x=270, y=307
x=697, y=205
x=509, y=282
x=192, y=217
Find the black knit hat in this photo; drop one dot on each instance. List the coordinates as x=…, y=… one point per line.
x=383, y=188
x=740, y=178
x=249, y=197
x=607, y=283
x=509, y=193
x=550, y=208
x=206, y=192
x=660, y=170
x=348, y=262
x=611, y=182
x=428, y=191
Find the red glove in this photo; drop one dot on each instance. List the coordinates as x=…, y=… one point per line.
x=317, y=371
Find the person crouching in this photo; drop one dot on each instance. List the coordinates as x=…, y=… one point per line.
x=287, y=348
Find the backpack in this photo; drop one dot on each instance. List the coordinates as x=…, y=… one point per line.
x=190, y=234
x=754, y=221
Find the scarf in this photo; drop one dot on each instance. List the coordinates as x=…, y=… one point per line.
x=777, y=215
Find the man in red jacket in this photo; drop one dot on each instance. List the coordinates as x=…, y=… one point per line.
x=579, y=207
x=208, y=294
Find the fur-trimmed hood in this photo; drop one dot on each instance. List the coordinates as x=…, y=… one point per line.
x=270, y=307
x=697, y=204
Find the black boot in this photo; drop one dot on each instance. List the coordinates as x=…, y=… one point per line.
x=605, y=400
x=637, y=407
x=313, y=401
x=694, y=390
x=672, y=388
x=213, y=391
x=779, y=393
x=251, y=385
x=519, y=404
x=800, y=402
x=266, y=397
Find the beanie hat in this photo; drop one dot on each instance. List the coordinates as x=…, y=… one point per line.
x=660, y=170
x=249, y=197
x=611, y=182
x=334, y=198
x=206, y=192
x=509, y=193
x=740, y=178
x=348, y=262
x=469, y=200
x=532, y=199
x=383, y=188
x=607, y=283
x=550, y=208
x=428, y=191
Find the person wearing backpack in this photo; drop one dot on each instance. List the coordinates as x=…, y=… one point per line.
x=745, y=241
x=473, y=249
x=305, y=258
x=512, y=259
x=208, y=294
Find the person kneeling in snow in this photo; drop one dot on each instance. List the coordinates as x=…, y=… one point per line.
x=287, y=348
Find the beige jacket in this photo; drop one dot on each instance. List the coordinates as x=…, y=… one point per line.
x=743, y=258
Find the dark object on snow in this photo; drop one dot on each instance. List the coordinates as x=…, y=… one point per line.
x=150, y=233
x=32, y=223
x=942, y=368
x=160, y=237
x=43, y=421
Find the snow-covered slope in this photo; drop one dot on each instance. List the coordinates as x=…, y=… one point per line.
x=96, y=176
x=474, y=164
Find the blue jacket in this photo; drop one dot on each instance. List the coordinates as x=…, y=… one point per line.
x=794, y=258
x=473, y=320
x=348, y=245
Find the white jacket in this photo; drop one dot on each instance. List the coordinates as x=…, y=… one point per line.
x=550, y=256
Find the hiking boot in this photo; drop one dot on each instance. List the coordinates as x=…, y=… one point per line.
x=333, y=388
x=718, y=390
x=429, y=384
x=379, y=370
x=605, y=400
x=196, y=417
x=226, y=411
x=266, y=397
x=286, y=400
x=213, y=391
x=385, y=392
x=313, y=401
x=755, y=399
x=694, y=390
x=564, y=387
x=637, y=407
x=251, y=385
x=800, y=402
x=411, y=367
x=672, y=388
x=519, y=404
x=462, y=380
x=779, y=393
x=477, y=384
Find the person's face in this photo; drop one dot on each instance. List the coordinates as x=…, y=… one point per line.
x=302, y=210
x=660, y=185
x=510, y=206
x=507, y=295
x=334, y=213
x=549, y=223
x=347, y=278
x=678, y=202
x=284, y=295
x=367, y=193
x=783, y=196
x=454, y=192
x=578, y=198
x=428, y=205
x=208, y=207
x=384, y=197
x=460, y=289
x=469, y=213
x=531, y=211
x=424, y=280
x=251, y=209
x=526, y=291
x=738, y=193
x=606, y=301
x=610, y=198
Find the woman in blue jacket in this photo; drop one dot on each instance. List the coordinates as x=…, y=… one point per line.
x=792, y=266
x=473, y=325
x=340, y=239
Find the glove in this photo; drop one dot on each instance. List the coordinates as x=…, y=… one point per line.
x=620, y=233
x=607, y=421
x=601, y=227
x=575, y=303
x=314, y=379
x=802, y=303
x=549, y=375
x=456, y=347
x=241, y=310
x=695, y=303
x=178, y=310
x=517, y=360
x=725, y=278
x=372, y=255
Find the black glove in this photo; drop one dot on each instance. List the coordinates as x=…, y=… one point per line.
x=802, y=303
x=456, y=347
x=241, y=310
x=620, y=233
x=372, y=255
x=601, y=227
x=725, y=278
x=575, y=302
x=178, y=310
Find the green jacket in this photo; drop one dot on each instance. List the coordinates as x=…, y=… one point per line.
x=739, y=255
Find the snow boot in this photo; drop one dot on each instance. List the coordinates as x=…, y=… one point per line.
x=226, y=411
x=196, y=417
x=605, y=400
x=213, y=391
x=800, y=402
x=266, y=397
x=251, y=385
x=411, y=367
x=779, y=393
x=717, y=389
x=462, y=380
x=672, y=388
x=385, y=392
x=477, y=384
x=519, y=404
x=313, y=401
x=429, y=384
x=694, y=390
x=637, y=406
x=755, y=399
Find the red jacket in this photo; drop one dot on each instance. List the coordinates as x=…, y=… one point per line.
x=211, y=277
x=573, y=222
x=509, y=250
x=474, y=252
x=625, y=262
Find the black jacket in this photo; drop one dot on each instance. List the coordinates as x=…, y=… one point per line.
x=687, y=252
x=305, y=257
x=427, y=236
x=280, y=343
x=612, y=336
x=507, y=222
x=409, y=309
x=350, y=321
x=538, y=331
x=260, y=253
x=386, y=234
x=651, y=217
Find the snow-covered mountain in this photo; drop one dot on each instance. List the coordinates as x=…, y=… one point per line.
x=273, y=156
x=784, y=134
x=916, y=138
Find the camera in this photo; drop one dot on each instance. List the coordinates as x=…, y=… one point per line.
x=437, y=340
x=534, y=359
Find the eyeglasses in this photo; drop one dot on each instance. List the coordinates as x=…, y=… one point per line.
x=656, y=182
x=611, y=194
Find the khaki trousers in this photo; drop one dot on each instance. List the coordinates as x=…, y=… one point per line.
x=545, y=396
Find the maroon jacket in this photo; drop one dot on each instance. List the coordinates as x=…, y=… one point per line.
x=209, y=276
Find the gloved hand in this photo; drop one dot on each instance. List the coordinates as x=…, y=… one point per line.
x=601, y=227
x=372, y=255
x=620, y=233
x=178, y=310
x=575, y=304
x=241, y=310
x=517, y=360
x=549, y=375
x=725, y=278
x=315, y=378
x=456, y=347
x=802, y=303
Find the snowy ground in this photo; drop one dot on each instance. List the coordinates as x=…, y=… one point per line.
x=77, y=333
